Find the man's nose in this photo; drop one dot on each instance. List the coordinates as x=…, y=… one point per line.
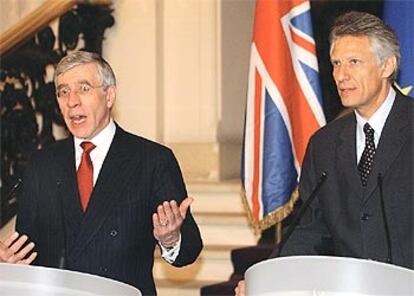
x=73, y=99
x=341, y=73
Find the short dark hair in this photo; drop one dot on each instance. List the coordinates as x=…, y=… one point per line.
x=383, y=40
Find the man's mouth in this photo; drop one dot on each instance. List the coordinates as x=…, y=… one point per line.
x=347, y=91
x=77, y=119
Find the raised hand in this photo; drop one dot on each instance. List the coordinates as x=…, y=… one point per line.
x=168, y=219
x=240, y=290
x=11, y=250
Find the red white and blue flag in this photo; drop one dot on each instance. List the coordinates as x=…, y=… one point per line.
x=283, y=110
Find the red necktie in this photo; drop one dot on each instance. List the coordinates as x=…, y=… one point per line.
x=85, y=174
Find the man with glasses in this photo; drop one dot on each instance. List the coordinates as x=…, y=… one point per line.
x=101, y=200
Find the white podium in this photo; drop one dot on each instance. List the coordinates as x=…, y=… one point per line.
x=327, y=276
x=18, y=280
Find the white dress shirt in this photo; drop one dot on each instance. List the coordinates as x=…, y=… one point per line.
x=377, y=122
x=103, y=141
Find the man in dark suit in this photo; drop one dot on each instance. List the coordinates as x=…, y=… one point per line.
x=364, y=209
x=101, y=200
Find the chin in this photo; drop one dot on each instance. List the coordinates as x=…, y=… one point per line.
x=347, y=102
x=79, y=134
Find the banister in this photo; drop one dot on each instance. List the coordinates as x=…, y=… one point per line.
x=39, y=19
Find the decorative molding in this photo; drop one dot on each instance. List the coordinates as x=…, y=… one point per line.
x=39, y=19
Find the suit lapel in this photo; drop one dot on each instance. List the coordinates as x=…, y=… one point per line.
x=392, y=140
x=113, y=177
x=68, y=188
x=346, y=153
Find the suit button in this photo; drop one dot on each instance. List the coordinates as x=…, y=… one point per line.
x=364, y=217
x=113, y=233
x=104, y=269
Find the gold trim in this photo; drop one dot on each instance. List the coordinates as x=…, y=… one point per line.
x=273, y=217
x=39, y=19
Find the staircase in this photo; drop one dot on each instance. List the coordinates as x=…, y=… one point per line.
x=219, y=212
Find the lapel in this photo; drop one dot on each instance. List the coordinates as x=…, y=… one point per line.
x=113, y=177
x=392, y=140
x=68, y=189
x=346, y=156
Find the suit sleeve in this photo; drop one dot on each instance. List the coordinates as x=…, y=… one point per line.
x=168, y=185
x=27, y=209
x=311, y=236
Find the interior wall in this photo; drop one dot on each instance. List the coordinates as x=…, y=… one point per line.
x=182, y=68
x=131, y=49
x=13, y=10
x=190, y=71
x=237, y=19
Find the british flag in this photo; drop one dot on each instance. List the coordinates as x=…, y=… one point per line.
x=283, y=109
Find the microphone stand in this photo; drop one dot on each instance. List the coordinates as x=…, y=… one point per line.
x=62, y=258
x=12, y=191
x=384, y=218
x=300, y=213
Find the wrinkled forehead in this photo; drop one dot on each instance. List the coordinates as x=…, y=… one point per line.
x=78, y=74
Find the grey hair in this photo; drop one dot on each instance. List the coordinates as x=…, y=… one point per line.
x=77, y=58
x=383, y=40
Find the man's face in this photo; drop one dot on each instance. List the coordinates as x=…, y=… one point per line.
x=360, y=79
x=84, y=103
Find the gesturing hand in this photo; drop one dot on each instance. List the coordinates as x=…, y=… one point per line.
x=11, y=250
x=168, y=219
x=240, y=290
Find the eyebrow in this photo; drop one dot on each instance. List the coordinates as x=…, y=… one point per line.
x=60, y=86
x=83, y=81
x=353, y=57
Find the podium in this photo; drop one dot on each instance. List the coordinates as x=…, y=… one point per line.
x=17, y=280
x=327, y=276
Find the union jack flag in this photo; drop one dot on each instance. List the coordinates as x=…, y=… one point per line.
x=283, y=109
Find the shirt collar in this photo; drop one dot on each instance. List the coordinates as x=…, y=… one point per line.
x=377, y=120
x=103, y=139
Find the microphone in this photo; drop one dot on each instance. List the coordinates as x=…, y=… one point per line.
x=62, y=258
x=300, y=213
x=9, y=197
x=384, y=218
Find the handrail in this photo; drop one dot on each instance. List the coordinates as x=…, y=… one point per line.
x=39, y=19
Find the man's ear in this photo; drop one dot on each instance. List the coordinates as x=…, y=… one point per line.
x=389, y=66
x=110, y=96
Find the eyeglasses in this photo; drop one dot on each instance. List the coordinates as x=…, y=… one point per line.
x=81, y=89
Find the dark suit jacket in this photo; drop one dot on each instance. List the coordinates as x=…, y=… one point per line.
x=114, y=238
x=346, y=219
